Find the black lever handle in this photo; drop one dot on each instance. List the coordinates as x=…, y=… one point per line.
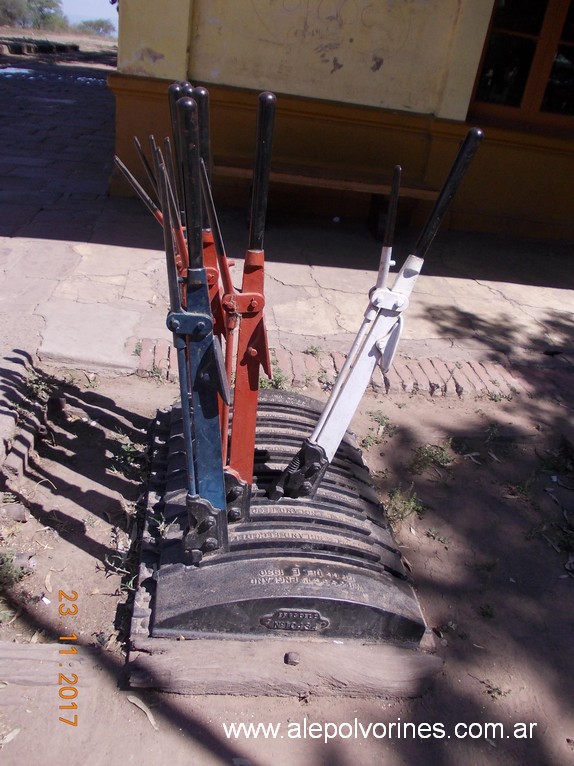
x=188, y=145
x=393, y=205
x=174, y=93
x=260, y=190
x=457, y=172
x=201, y=97
x=385, y=260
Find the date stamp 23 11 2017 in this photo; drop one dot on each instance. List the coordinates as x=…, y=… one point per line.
x=68, y=690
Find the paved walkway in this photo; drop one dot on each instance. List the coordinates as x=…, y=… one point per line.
x=82, y=275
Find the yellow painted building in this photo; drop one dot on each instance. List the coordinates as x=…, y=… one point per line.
x=363, y=85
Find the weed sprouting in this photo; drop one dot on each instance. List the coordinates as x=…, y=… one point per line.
x=494, y=692
x=10, y=572
x=382, y=430
x=157, y=373
x=522, y=490
x=428, y=455
x=131, y=460
x=486, y=610
x=498, y=396
x=400, y=505
x=92, y=380
x=492, y=431
x=278, y=380
x=434, y=535
x=39, y=387
x=486, y=566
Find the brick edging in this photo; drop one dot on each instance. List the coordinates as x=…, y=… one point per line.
x=316, y=369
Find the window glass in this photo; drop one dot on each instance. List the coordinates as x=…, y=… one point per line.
x=505, y=69
x=523, y=16
x=559, y=95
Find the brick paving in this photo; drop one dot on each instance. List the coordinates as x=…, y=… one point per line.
x=426, y=377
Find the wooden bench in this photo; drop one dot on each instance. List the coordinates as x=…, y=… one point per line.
x=319, y=178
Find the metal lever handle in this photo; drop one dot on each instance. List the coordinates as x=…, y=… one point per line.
x=175, y=92
x=188, y=144
x=386, y=251
x=457, y=173
x=393, y=205
x=201, y=97
x=260, y=191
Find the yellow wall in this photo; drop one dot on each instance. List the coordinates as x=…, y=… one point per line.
x=518, y=184
x=153, y=38
x=417, y=56
x=351, y=118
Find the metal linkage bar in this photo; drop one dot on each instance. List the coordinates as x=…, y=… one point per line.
x=176, y=308
x=375, y=343
x=206, y=382
x=207, y=309
x=224, y=300
x=207, y=522
x=252, y=348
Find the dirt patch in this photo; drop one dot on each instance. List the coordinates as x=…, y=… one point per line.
x=480, y=493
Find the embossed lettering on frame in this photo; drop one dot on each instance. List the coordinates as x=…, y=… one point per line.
x=304, y=620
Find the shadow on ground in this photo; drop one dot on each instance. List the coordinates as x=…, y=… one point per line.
x=487, y=556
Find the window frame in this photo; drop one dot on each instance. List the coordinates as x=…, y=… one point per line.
x=528, y=114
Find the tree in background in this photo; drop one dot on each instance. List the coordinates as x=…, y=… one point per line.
x=39, y=14
x=47, y=14
x=101, y=27
x=13, y=13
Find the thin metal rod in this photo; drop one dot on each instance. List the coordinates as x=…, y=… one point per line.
x=147, y=167
x=168, y=232
x=172, y=175
x=140, y=191
x=215, y=231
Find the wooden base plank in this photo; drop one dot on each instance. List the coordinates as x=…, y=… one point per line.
x=263, y=667
x=40, y=664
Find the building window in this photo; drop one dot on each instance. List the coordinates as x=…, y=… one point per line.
x=526, y=74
